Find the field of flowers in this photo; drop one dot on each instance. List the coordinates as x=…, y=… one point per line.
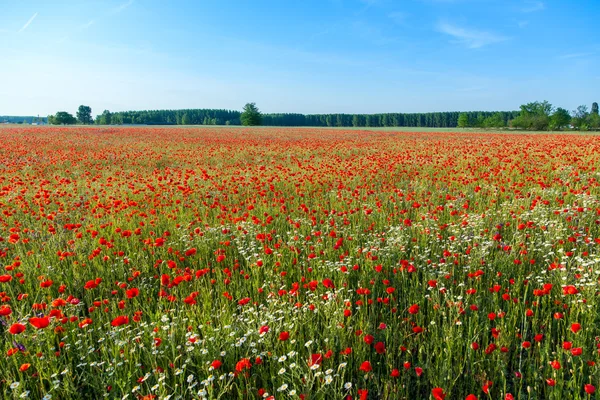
x=156, y=263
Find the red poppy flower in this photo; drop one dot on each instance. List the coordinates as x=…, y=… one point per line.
x=315, y=359
x=12, y=351
x=85, y=322
x=120, y=320
x=263, y=329
x=414, y=309
x=131, y=293
x=438, y=393
x=366, y=367
x=283, y=336
x=243, y=364
x=17, y=328
x=570, y=289
x=589, y=389
x=39, y=323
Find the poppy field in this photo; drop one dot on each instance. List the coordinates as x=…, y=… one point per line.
x=281, y=263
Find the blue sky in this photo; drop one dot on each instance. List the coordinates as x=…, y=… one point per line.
x=310, y=56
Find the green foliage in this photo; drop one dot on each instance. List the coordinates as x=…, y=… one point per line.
x=227, y=117
x=581, y=112
x=463, y=120
x=185, y=119
x=534, y=116
x=580, y=118
x=494, y=121
x=560, y=119
x=594, y=121
x=62, y=118
x=429, y=120
x=105, y=118
x=595, y=108
x=251, y=115
x=11, y=119
x=84, y=115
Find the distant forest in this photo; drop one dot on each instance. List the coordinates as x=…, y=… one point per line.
x=228, y=117
x=536, y=115
x=11, y=119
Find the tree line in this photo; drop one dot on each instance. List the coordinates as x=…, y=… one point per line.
x=13, y=119
x=228, y=117
x=531, y=116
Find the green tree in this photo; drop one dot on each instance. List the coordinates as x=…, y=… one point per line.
x=580, y=116
x=594, y=121
x=185, y=119
x=63, y=118
x=595, y=108
x=251, y=115
x=106, y=117
x=560, y=119
x=84, y=114
x=534, y=116
x=116, y=119
x=329, y=120
x=463, y=120
x=494, y=121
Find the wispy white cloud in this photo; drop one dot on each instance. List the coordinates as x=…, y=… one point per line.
x=533, y=6
x=471, y=38
x=122, y=6
x=28, y=23
x=575, y=55
x=85, y=26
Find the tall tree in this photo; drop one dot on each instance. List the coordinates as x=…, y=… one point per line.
x=463, y=120
x=494, y=121
x=595, y=108
x=580, y=116
x=62, y=118
x=594, y=121
x=84, y=114
x=251, y=115
x=560, y=118
x=185, y=119
x=534, y=116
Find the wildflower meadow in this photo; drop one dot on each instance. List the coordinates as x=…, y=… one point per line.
x=298, y=263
